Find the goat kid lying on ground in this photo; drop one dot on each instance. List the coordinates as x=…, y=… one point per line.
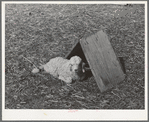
x=64, y=69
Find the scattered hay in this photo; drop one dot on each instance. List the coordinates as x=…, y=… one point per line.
x=41, y=32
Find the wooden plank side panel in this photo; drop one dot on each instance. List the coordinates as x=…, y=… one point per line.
x=112, y=65
x=90, y=52
x=101, y=64
x=102, y=60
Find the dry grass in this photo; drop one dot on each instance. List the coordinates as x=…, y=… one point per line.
x=41, y=32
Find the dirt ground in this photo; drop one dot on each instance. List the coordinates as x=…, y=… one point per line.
x=40, y=32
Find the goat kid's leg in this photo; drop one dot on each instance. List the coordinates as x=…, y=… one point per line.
x=66, y=80
x=69, y=80
x=61, y=79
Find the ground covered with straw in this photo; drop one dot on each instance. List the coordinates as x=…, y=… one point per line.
x=38, y=32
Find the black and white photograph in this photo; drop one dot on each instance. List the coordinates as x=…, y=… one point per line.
x=70, y=60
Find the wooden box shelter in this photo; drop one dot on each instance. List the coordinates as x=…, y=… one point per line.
x=105, y=66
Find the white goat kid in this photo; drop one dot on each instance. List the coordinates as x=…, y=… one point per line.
x=64, y=69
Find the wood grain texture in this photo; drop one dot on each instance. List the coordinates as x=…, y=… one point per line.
x=102, y=60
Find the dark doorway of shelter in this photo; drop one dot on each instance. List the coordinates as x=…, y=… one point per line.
x=77, y=51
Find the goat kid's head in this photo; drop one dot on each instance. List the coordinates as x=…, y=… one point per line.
x=76, y=64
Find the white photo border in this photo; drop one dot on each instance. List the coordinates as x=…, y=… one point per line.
x=56, y=114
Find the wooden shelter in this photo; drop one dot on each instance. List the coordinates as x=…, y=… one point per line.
x=97, y=51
